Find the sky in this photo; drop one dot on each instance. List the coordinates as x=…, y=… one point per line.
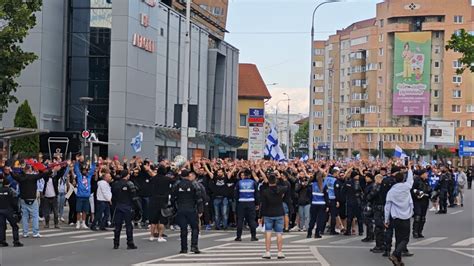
x=275, y=35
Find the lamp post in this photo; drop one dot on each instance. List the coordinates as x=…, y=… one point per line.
x=311, y=117
x=288, y=128
x=184, y=113
x=85, y=101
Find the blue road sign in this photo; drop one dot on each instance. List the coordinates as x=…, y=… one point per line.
x=466, y=148
x=253, y=112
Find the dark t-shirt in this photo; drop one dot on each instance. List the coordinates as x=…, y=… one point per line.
x=272, y=201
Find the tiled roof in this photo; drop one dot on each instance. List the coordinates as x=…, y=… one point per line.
x=251, y=83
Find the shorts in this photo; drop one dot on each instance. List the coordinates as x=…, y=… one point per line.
x=82, y=205
x=154, y=210
x=342, y=210
x=285, y=208
x=274, y=224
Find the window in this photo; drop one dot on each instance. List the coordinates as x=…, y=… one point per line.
x=243, y=120
x=342, y=71
x=203, y=6
x=318, y=51
x=381, y=38
x=457, y=79
x=318, y=102
x=379, y=80
x=356, y=123
x=458, y=123
x=355, y=110
x=470, y=123
x=379, y=94
x=470, y=108
x=437, y=49
x=436, y=34
x=218, y=11
x=381, y=51
x=436, y=64
x=456, y=108
x=436, y=78
x=318, y=89
x=342, y=85
x=318, y=64
x=458, y=19
x=436, y=93
x=456, y=93
x=318, y=114
x=359, y=40
x=381, y=23
x=342, y=98
x=380, y=65
x=343, y=59
x=457, y=64
x=435, y=108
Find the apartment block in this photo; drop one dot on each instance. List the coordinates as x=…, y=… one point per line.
x=384, y=76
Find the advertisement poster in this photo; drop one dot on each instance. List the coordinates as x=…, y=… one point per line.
x=256, y=122
x=440, y=132
x=412, y=65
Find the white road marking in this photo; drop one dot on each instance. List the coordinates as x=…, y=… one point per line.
x=67, y=243
x=156, y=239
x=228, y=239
x=94, y=235
x=250, y=259
x=41, y=231
x=260, y=261
x=67, y=233
x=347, y=240
x=205, y=236
x=464, y=243
x=428, y=241
x=310, y=240
x=123, y=235
x=411, y=247
x=461, y=253
x=456, y=212
x=321, y=259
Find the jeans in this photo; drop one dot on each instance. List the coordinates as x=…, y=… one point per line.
x=402, y=236
x=221, y=212
x=145, y=203
x=102, y=214
x=303, y=212
x=50, y=204
x=61, y=203
x=27, y=211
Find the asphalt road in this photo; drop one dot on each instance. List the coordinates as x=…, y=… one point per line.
x=448, y=240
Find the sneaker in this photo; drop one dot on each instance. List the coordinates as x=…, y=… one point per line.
x=41, y=219
x=183, y=251
x=151, y=238
x=195, y=250
x=280, y=255
x=131, y=246
x=172, y=227
x=62, y=219
x=266, y=255
x=259, y=228
x=71, y=224
x=78, y=225
x=37, y=235
x=295, y=229
x=254, y=239
x=377, y=250
x=208, y=227
x=161, y=240
x=84, y=226
x=238, y=239
x=432, y=209
x=25, y=235
x=17, y=244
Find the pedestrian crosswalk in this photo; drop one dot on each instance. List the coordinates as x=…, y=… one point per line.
x=71, y=236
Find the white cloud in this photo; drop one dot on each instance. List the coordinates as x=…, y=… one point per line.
x=299, y=100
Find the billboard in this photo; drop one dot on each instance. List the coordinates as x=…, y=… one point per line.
x=412, y=65
x=440, y=132
x=256, y=142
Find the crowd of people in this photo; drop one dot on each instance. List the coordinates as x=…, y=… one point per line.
x=374, y=198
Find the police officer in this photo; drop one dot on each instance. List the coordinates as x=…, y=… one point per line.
x=421, y=193
x=353, y=192
x=126, y=202
x=329, y=183
x=247, y=196
x=9, y=211
x=377, y=200
x=443, y=187
x=368, y=213
x=186, y=196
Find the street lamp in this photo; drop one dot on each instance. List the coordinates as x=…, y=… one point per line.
x=184, y=113
x=85, y=101
x=288, y=127
x=311, y=118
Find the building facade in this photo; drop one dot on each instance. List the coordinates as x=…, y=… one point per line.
x=129, y=57
x=389, y=74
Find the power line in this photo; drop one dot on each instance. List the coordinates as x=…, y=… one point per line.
x=277, y=32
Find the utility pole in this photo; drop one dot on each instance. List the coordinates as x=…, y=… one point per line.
x=288, y=128
x=184, y=114
x=85, y=101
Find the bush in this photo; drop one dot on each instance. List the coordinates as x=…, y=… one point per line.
x=29, y=145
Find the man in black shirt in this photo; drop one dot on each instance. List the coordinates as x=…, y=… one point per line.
x=9, y=211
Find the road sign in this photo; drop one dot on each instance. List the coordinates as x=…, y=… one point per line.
x=254, y=112
x=466, y=148
x=85, y=134
x=93, y=138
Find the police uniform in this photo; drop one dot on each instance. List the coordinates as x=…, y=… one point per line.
x=319, y=201
x=421, y=193
x=126, y=201
x=443, y=187
x=329, y=183
x=9, y=211
x=246, y=193
x=353, y=193
x=187, y=197
x=367, y=212
x=377, y=200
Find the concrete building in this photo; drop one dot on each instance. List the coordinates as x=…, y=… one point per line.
x=129, y=57
x=252, y=95
x=362, y=77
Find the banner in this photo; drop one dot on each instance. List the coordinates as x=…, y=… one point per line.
x=137, y=142
x=256, y=127
x=412, y=65
x=440, y=132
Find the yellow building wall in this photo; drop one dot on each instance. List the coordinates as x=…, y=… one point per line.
x=243, y=107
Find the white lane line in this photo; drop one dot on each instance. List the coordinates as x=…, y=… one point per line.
x=67, y=233
x=310, y=240
x=41, y=231
x=274, y=249
x=94, y=235
x=205, y=236
x=461, y=253
x=428, y=241
x=225, y=260
x=456, y=212
x=156, y=239
x=464, y=243
x=321, y=259
x=67, y=243
x=213, y=254
x=260, y=261
x=347, y=240
x=228, y=239
x=411, y=247
x=123, y=235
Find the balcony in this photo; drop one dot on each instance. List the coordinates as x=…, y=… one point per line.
x=433, y=26
x=397, y=27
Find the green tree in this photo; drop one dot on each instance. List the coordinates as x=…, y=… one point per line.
x=388, y=153
x=444, y=153
x=355, y=152
x=422, y=152
x=463, y=42
x=26, y=146
x=374, y=153
x=16, y=19
x=302, y=135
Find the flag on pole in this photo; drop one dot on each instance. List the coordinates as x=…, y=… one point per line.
x=272, y=148
x=399, y=153
x=304, y=158
x=137, y=142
